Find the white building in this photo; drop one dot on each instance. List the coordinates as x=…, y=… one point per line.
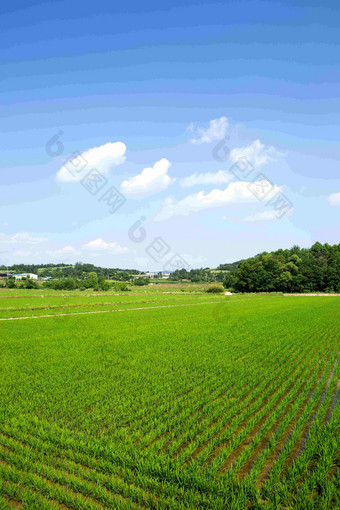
x=25, y=275
x=149, y=275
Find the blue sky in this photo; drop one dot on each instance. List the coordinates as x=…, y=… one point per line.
x=150, y=96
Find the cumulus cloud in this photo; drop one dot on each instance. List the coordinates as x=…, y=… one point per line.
x=150, y=180
x=216, y=131
x=256, y=153
x=234, y=193
x=220, y=177
x=334, y=199
x=99, y=245
x=102, y=158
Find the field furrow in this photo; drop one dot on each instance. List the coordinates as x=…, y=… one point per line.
x=229, y=404
x=240, y=420
x=287, y=434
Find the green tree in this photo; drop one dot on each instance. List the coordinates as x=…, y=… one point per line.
x=141, y=281
x=296, y=270
x=229, y=280
x=10, y=284
x=91, y=280
x=104, y=285
x=30, y=284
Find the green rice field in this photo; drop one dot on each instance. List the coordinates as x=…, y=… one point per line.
x=167, y=397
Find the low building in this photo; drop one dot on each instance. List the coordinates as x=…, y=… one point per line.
x=25, y=275
x=149, y=275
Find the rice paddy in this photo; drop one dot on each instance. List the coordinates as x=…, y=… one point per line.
x=168, y=399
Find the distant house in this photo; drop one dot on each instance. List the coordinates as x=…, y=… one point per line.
x=150, y=275
x=25, y=275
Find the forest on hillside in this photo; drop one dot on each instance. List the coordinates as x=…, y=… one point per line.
x=316, y=269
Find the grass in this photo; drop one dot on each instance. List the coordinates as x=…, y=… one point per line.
x=206, y=401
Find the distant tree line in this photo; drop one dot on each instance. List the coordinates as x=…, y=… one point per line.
x=24, y=283
x=229, y=267
x=32, y=268
x=78, y=270
x=91, y=281
x=316, y=269
x=197, y=275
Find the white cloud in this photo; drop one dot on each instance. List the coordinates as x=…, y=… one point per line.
x=220, y=177
x=22, y=238
x=27, y=238
x=265, y=216
x=4, y=224
x=216, y=131
x=150, y=180
x=102, y=158
x=334, y=199
x=22, y=244
x=234, y=193
x=66, y=249
x=100, y=245
x=256, y=153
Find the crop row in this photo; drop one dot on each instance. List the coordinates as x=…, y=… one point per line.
x=177, y=414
